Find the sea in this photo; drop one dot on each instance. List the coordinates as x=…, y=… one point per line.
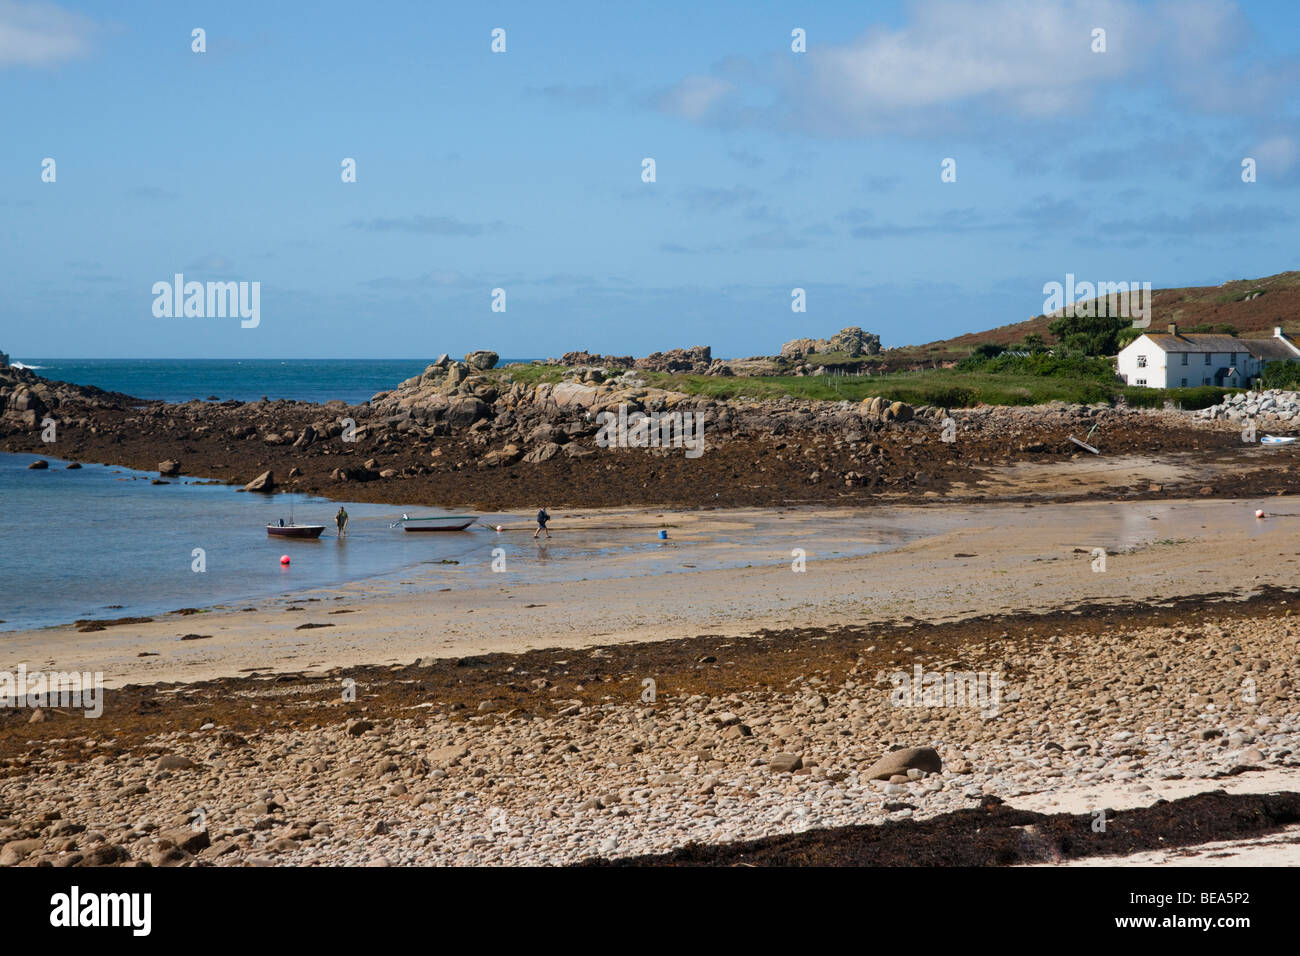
x=103, y=542
x=246, y=380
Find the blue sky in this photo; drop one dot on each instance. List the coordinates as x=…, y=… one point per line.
x=522, y=170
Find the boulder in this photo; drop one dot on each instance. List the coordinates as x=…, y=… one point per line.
x=186, y=838
x=900, y=412
x=174, y=762
x=925, y=759
x=483, y=359
x=506, y=455
x=40, y=464
x=785, y=763
x=18, y=850
x=265, y=483
x=574, y=395
x=798, y=348
x=169, y=468
x=542, y=453
x=467, y=410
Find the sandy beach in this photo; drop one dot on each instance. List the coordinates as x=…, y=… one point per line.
x=720, y=572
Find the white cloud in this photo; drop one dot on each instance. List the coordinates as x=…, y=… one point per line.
x=695, y=96
x=40, y=34
x=1276, y=155
x=952, y=63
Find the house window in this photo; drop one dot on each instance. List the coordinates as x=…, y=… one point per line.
x=1185, y=354
x=1140, y=381
x=1205, y=381
x=1184, y=383
x=1142, y=361
x=1208, y=358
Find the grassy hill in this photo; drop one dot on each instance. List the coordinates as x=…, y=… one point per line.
x=1234, y=303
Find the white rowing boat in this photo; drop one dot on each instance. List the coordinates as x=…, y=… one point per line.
x=438, y=522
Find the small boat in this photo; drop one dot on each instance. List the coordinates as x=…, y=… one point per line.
x=295, y=530
x=1276, y=440
x=438, y=523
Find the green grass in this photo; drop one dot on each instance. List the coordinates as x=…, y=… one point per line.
x=533, y=374
x=945, y=387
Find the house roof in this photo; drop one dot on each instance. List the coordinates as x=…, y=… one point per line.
x=1197, y=342
x=1269, y=349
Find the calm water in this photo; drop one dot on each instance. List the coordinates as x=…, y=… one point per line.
x=246, y=380
x=73, y=543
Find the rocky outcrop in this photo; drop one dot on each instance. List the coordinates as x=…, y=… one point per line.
x=696, y=359
x=26, y=399
x=572, y=359
x=852, y=341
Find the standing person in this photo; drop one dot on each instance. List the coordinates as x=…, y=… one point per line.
x=341, y=521
x=542, y=518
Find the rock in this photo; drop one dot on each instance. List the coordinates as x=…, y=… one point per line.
x=698, y=358
x=445, y=756
x=38, y=716
x=169, y=468
x=40, y=464
x=16, y=851
x=482, y=360
x=186, y=838
x=174, y=762
x=901, y=761
x=467, y=410
x=265, y=483
x=542, y=453
x=506, y=455
x=785, y=763
x=900, y=412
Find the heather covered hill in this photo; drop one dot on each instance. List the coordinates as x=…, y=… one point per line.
x=1253, y=306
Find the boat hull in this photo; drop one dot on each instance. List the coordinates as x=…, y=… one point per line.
x=295, y=530
x=457, y=523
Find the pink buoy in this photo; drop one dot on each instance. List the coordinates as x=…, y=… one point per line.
x=498, y=529
x=284, y=559
x=1259, y=513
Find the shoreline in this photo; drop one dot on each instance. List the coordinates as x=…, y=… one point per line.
x=553, y=757
x=931, y=565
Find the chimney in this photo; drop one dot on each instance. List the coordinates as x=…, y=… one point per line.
x=1173, y=328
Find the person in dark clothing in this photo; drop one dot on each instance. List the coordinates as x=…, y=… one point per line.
x=341, y=521
x=542, y=518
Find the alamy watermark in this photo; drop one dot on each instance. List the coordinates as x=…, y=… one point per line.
x=73, y=689
x=1128, y=300
x=921, y=688
x=656, y=430
x=213, y=300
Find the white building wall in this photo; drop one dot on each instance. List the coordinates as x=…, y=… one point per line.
x=1166, y=369
x=1153, y=374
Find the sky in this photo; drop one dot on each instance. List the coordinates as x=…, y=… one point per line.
x=523, y=170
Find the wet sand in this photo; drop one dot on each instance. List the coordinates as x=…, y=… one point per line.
x=605, y=579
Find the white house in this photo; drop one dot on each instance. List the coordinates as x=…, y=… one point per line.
x=1176, y=360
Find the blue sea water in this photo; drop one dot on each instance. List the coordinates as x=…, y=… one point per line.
x=246, y=380
x=102, y=542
